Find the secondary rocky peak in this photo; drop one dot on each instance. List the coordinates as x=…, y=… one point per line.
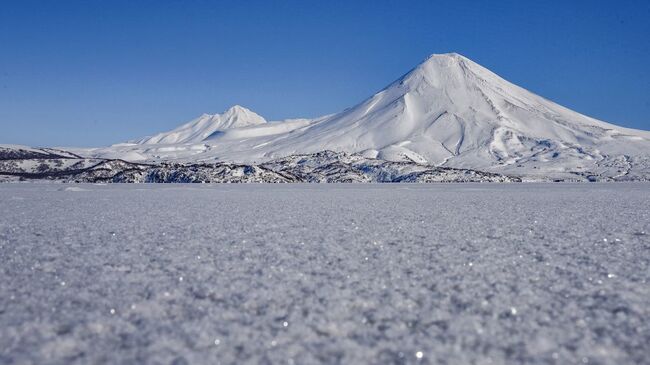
x=239, y=116
x=204, y=126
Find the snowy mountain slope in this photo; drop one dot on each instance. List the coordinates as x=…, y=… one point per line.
x=448, y=111
x=14, y=152
x=321, y=167
x=206, y=125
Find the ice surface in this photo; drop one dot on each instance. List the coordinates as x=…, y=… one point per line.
x=426, y=274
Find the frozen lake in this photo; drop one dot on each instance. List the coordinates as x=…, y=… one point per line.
x=302, y=274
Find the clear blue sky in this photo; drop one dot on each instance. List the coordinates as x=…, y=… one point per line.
x=100, y=72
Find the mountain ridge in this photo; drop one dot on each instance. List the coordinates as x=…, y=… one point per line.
x=448, y=111
x=206, y=125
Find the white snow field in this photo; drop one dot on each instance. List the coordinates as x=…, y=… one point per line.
x=306, y=274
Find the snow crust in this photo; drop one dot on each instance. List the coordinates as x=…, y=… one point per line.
x=307, y=274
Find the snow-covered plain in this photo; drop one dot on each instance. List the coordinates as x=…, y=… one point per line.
x=302, y=274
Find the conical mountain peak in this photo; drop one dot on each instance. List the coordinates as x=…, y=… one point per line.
x=447, y=66
x=199, y=129
x=237, y=109
x=237, y=116
x=452, y=56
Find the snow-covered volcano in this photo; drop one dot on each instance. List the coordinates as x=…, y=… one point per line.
x=206, y=125
x=447, y=111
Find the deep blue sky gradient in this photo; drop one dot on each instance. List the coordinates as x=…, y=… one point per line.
x=99, y=72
